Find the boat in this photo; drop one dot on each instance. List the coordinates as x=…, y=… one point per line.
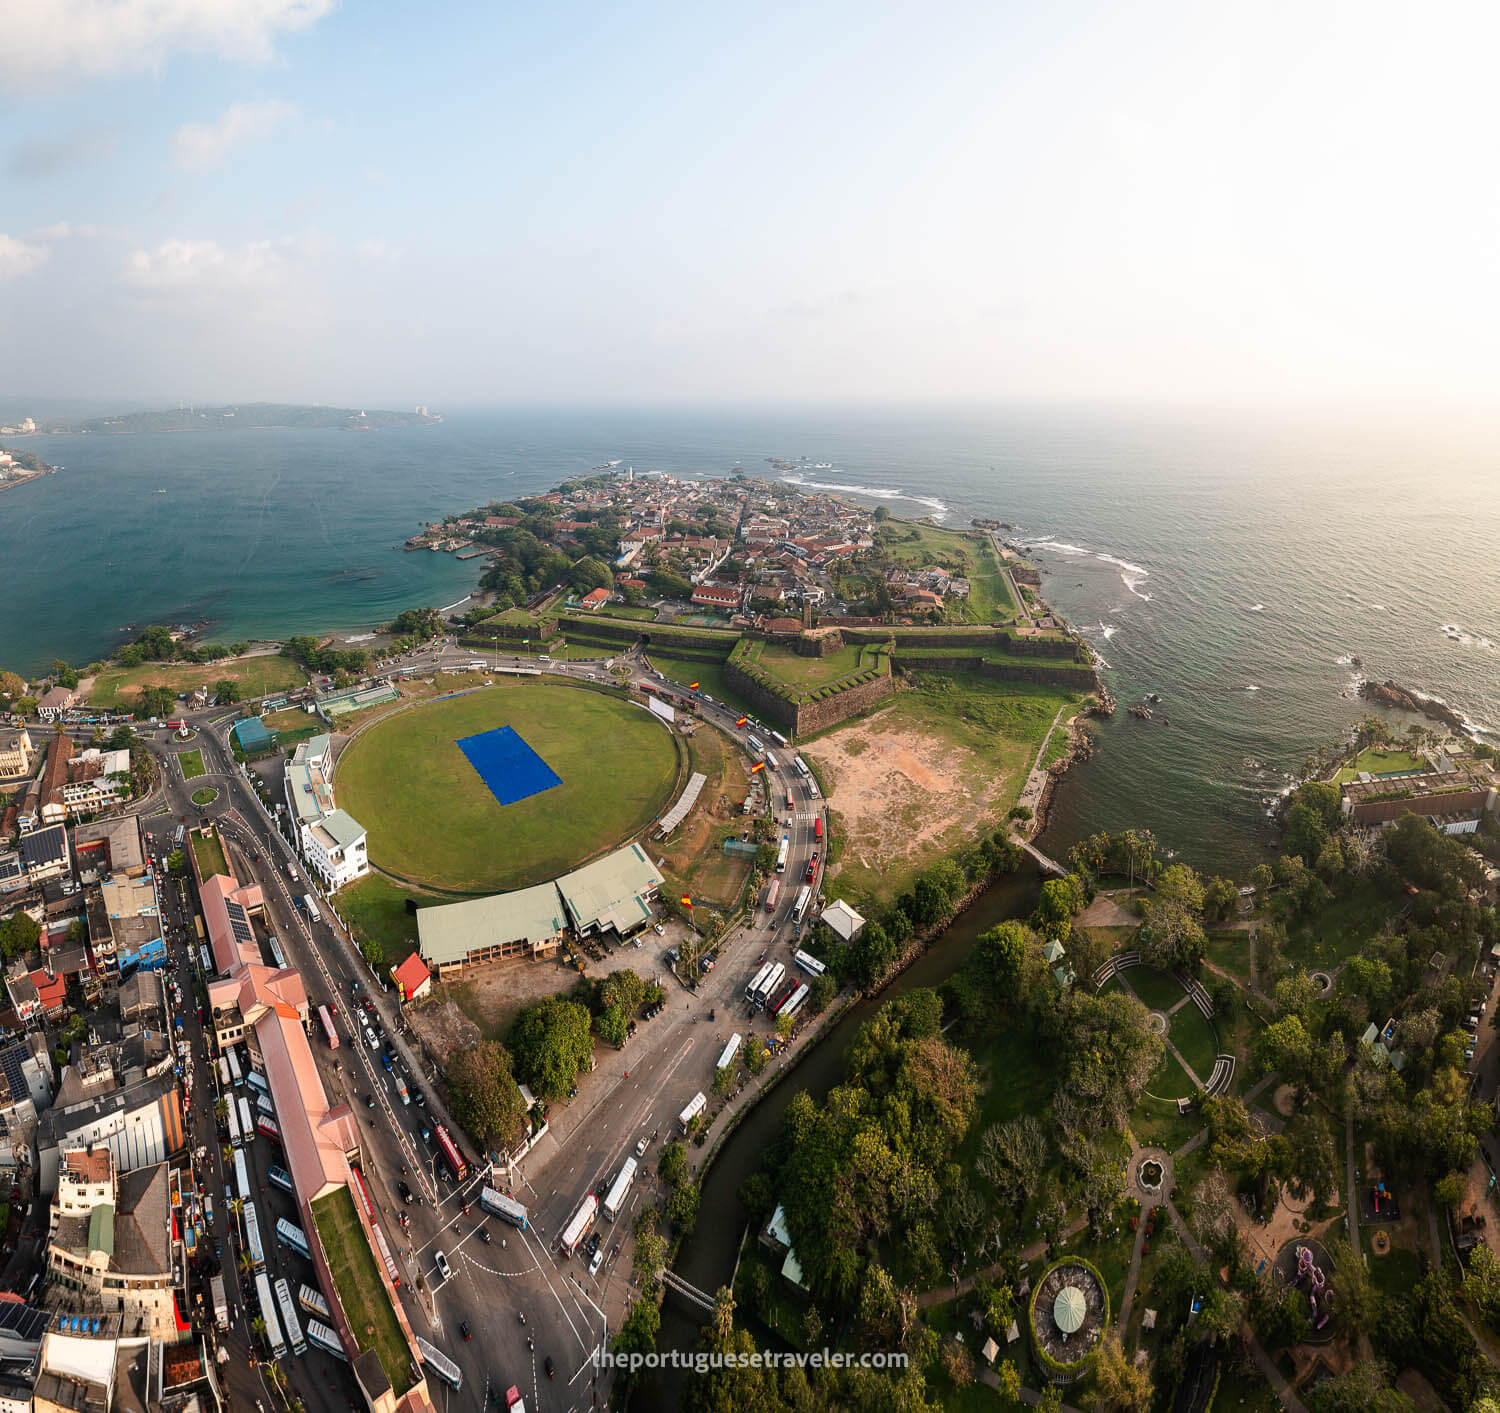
x=161, y=490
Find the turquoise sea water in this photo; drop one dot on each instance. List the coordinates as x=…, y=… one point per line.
x=1230, y=564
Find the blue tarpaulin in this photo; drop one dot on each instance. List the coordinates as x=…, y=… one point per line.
x=505, y=763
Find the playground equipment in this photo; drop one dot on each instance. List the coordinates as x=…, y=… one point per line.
x=1319, y=1296
x=1376, y=1193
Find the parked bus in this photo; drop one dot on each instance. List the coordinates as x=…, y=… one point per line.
x=730, y=1050
x=290, y=1234
x=364, y=1193
x=235, y=1074
x=789, y=801
x=289, y=1316
x=810, y=964
x=205, y=962
x=812, y=785
x=582, y=1220
x=619, y=1189
x=329, y=1033
x=258, y=1082
x=771, y=763
x=506, y=1208
x=781, y=853
x=241, y=1175
x=782, y=997
x=277, y=955
x=779, y=738
x=768, y=984
x=311, y=904
x=391, y=1268
x=247, y=1124
x=449, y=1149
x=252, y=1237
x=279, y=1177
x=803, y=899
x=794, y=1001
x=198, y=924
x=266, y=1127
x=223, y=1073
x=320, y=1336
x=753, y=989
x=221, y=1302
x=264, y=1106
x=773, y=892
x=696, y=1106
x=236, y=1137
x=800, y=766
x=269, y=1316
x=310, y=1298
x=754, y=744
x=440, y=1364
x=818, y=827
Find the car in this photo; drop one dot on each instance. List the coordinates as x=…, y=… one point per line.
x=404, y=1190
x=593, y=1243
x=550, y=1367
x=444, y=1269
x=483, y=1233
x=640, y=1148
x=596, y=1263
x=464, y=1330
x=420, y=1098
x=659, y=930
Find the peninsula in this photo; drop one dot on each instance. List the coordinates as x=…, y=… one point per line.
x=250, y=416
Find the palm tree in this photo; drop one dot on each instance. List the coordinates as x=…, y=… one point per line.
x=723, y=1316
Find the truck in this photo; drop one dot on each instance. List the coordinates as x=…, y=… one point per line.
x=268, y=1313
x=618, y=1189
x=696, y=1105
x=221, y=1302
x=514, y=1403
x=582, y=1220
x=730, y=1050
x=781, y=853
x=288, y=1308
x=773, y=892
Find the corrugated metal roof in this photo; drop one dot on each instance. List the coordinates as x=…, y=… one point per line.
x=450, y=932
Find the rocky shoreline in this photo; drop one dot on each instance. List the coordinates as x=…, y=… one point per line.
x=1396, y=698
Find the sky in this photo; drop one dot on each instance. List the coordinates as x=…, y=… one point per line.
x=492, y=203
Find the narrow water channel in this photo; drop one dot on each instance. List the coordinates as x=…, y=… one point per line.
x=707, y=1258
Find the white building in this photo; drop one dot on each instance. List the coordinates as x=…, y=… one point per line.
x=332, y=841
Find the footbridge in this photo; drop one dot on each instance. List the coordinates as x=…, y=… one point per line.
x=689, y=1292
x=1050, y=866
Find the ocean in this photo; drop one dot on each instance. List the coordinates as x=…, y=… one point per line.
x=1232, y=564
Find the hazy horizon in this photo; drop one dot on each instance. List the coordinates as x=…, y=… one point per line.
x=956, y=205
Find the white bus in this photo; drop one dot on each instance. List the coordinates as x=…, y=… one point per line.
x=206, y=962
x=800, y=766
x=321, y=1336
x=768, y=985
x=223, y=1073
x=506, y=1208
x=730, y=1050
x=696, y=1106
x=235, y=1136
x=311, y=904
x=235, y=1074
x=440, y=1364
x=779, y=738
x=618, y=1189
x=793, y=1003
x=252, y=1237
x=754, y=745
x=268, y=1314
x=578, y=1227
x=289, y=1316
x=247, y=1123
x=782, y=852
x=241, y=1175
x=810, y=964
x=312, y=1301
x=771, y=763
x=753, y=989
x=804, y=897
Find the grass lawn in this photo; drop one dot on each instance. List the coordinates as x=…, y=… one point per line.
x=990, y=599
x=1159, y=991
x=372, y=1320
x=432, y=819
x=1014, y=1080
x=192, y=764
x=1230, y=951
x=206, y=796
x=1195, y=1039
x=1156, y=1122
x=798, y=671
x=1341, y=929
x=1380, y=762
x=625, y=610
x=209, y=854
x=694, y=857
x=1245, y=1390
x=375, y=908
x=269, y=672
x=578, y=652
x=1396, y=1272
x=292, y=726
x=708, y=674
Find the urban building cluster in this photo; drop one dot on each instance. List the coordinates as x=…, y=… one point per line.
x=330, y=839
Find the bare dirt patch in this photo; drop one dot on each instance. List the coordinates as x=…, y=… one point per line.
x=899, y=796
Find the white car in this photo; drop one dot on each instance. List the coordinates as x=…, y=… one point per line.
x=596, y=1262
x=442, y=1265
x=659, y=930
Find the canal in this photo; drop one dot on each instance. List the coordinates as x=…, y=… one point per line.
x=707, y=1258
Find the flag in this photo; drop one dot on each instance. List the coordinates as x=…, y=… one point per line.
x=686, y=901
x=693, y=686
x=759, y=765
x=742, y=721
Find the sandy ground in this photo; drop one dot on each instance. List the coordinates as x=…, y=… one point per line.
x=1104, y=911
x=897, y=793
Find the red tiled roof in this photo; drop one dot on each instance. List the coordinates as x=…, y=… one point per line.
x=594, y=598
x=411, y=975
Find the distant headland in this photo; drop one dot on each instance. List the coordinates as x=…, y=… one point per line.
x=253, y=416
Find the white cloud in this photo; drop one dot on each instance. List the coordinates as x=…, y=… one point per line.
x=379, y=252
x=200, y=146
x=48, y=40
x=19, y=257
x=204, y=267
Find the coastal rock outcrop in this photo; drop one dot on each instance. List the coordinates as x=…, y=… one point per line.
x=1388, y=694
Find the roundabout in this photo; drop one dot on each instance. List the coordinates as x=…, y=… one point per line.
x=506, y=785
x=205, y=795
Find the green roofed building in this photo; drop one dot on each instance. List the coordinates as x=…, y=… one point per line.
x=253, y=737
x=455, y=936
x=611, y=894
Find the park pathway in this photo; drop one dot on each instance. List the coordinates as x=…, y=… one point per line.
x=941, y=1295
x=1134, y=1273
x=1166, y=1040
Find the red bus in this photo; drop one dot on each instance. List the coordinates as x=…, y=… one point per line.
x=267, y=1127
x=364, y=1192
x=818, y=827
x=329, y=1033
x=451, y=1155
